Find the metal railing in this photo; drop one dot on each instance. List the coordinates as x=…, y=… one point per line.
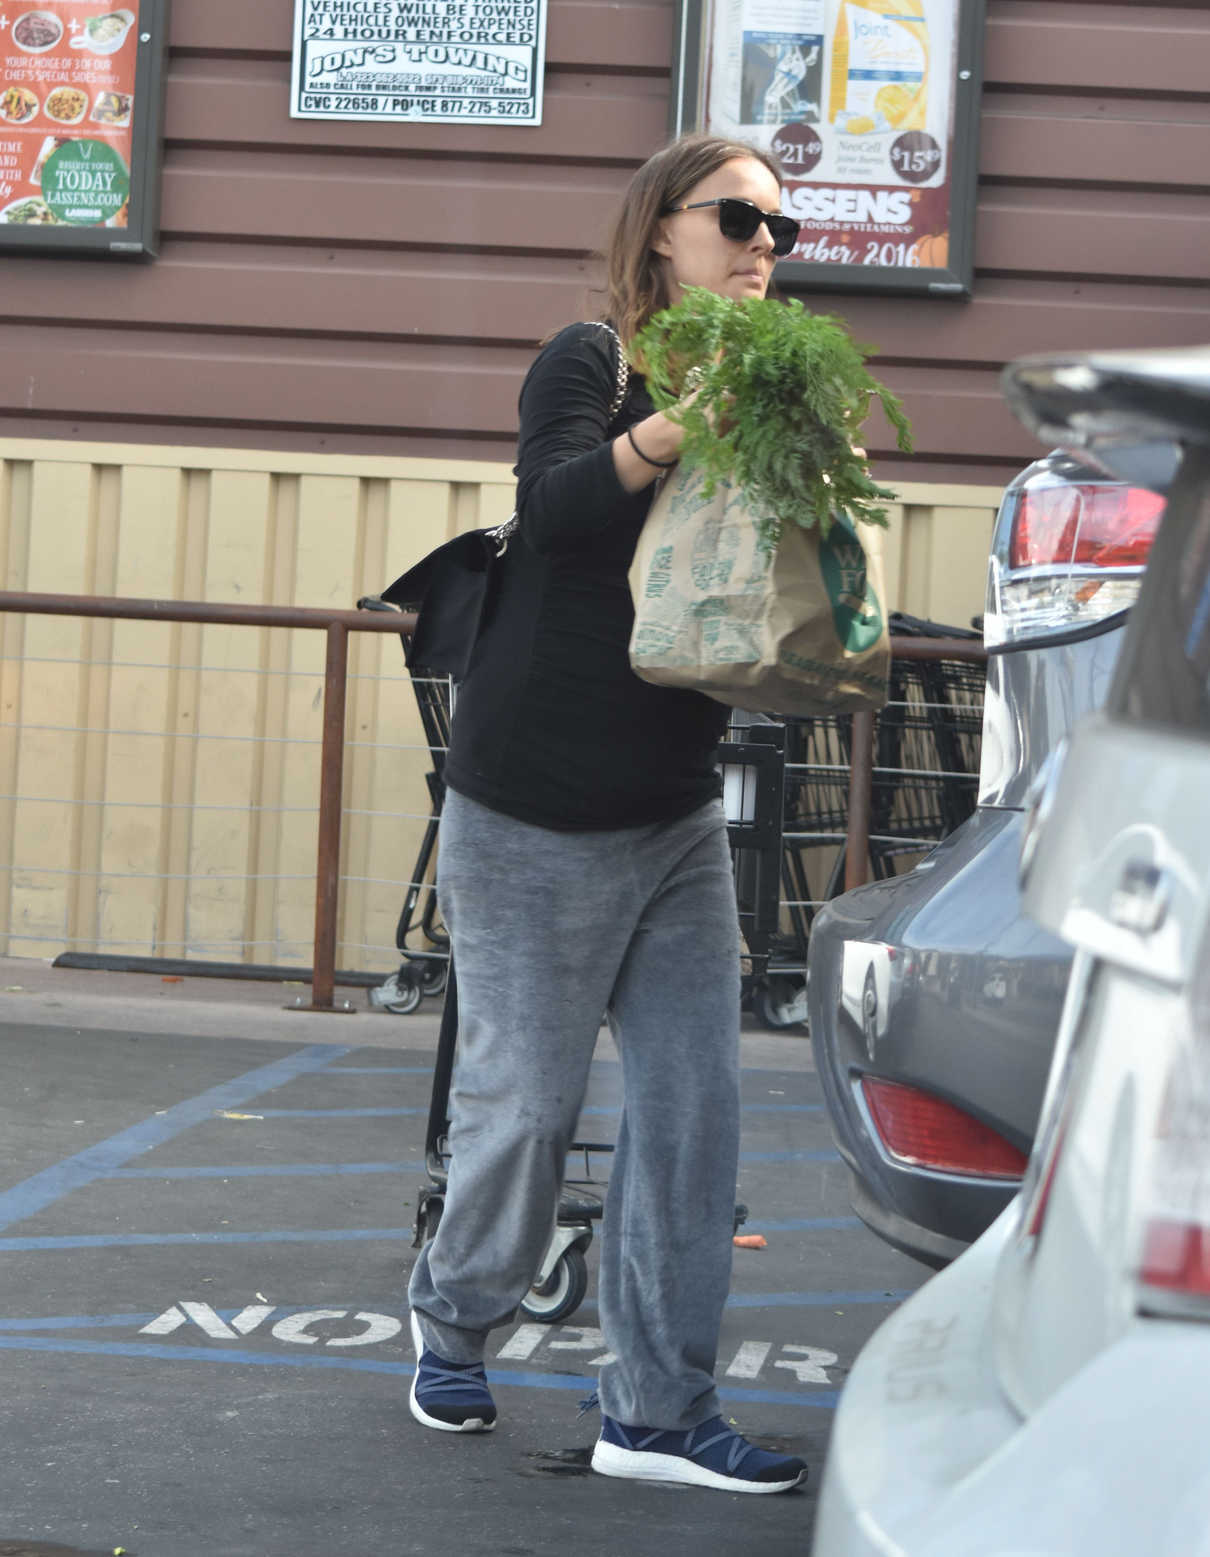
x=336, y=625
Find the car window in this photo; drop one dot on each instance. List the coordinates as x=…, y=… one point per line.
x=1164, y=673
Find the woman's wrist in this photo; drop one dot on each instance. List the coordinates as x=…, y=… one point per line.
x=646, y=451
x=658, y=438
x=647, y=458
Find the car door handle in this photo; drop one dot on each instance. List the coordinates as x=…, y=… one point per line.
x=1142, y=897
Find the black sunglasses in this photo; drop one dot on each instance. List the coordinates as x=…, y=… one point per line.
x=739, y=219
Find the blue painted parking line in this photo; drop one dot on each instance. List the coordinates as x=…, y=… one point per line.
x=817, y=1156
x=801, y=1299
x=277, y=1235
x=268, y=1170
x=820, y=1400
x=81, y=1322
x=43, y=1189
x=806, y=1224
x=382, y=1070
x=319, y=1169
x=813, y=1299
x=594, y=1108
x=745, y=1108
x=150, y=1240
x=339, y=1113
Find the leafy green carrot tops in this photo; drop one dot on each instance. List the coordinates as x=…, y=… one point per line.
x=781, y=398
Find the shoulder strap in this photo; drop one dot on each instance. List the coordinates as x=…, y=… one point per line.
x=623, y=371
x=503, y=533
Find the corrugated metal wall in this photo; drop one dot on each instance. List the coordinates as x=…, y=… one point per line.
x=378, y=289
x=159, y=783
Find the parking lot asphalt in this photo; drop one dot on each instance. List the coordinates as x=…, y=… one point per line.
x=205, y=1222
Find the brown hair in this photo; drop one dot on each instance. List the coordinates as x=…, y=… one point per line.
x=635, y=287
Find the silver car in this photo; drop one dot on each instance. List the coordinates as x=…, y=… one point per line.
x=933, y=1001
x=1049, y=1392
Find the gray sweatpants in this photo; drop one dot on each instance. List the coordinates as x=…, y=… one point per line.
x=550, y=931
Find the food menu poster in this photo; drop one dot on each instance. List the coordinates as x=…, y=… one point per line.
x=433, y=61
x=67, y=84
x=856, y=99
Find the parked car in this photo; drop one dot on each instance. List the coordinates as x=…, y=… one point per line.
x=1049, y=1392
x=933, y=1002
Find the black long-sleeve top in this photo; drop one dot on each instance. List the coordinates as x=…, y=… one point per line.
x=551, y=725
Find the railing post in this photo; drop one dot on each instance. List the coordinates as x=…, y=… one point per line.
x=861, y=779
x=327, y=872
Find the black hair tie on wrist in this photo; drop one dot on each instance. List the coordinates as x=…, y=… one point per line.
x=646, y=458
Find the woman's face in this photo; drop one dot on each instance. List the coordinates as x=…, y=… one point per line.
x=694, y=251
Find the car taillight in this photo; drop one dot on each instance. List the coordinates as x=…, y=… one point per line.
x=1174, y=1241
x=1176, y=1257
x=1075, y=555
x=928, y=1132
x=1100, y=526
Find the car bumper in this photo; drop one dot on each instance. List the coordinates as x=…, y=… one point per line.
x=929, y=1459
x=966, y=996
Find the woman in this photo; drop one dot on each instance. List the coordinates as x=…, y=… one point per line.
x=584, y=869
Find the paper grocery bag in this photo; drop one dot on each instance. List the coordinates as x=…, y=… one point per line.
x=800, y=630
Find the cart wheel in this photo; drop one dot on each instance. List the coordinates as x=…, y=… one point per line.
x=563, y=1293
x=431, y=976
x=409, y=993
x=779, y=1003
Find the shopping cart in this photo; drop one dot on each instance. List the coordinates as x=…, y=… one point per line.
x=753, y=779
x=927, y=742
x=753, y=767
x=423, y=969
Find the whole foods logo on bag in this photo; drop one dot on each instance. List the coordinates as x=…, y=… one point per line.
x=856, y=609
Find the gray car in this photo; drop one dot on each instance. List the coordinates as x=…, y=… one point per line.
x=933, y=1002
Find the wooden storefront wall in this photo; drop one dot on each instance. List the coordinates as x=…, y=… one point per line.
x=159, y=783
x=378, y=289
x=317, y=380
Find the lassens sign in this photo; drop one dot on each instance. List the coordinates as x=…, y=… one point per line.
x=80, y=107
x=435, y=61
x=871, y=107
x=66, y=104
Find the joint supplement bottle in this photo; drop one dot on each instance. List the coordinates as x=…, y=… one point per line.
x=879, y=73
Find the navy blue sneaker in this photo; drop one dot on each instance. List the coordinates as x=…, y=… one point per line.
x=709, y=1455
x=450, y=1396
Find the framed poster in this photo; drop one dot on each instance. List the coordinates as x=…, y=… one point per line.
x=81, y=112
x=432, y=61
x=872, y=108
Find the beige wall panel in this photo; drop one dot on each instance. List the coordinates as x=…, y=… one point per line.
x=209, y=844
x=226, y=820
x=134, y=822
x=361, y=719
x=892, y=554
x=325, y=550
x=15, y=490
x=945, y=556
x=52, y=761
